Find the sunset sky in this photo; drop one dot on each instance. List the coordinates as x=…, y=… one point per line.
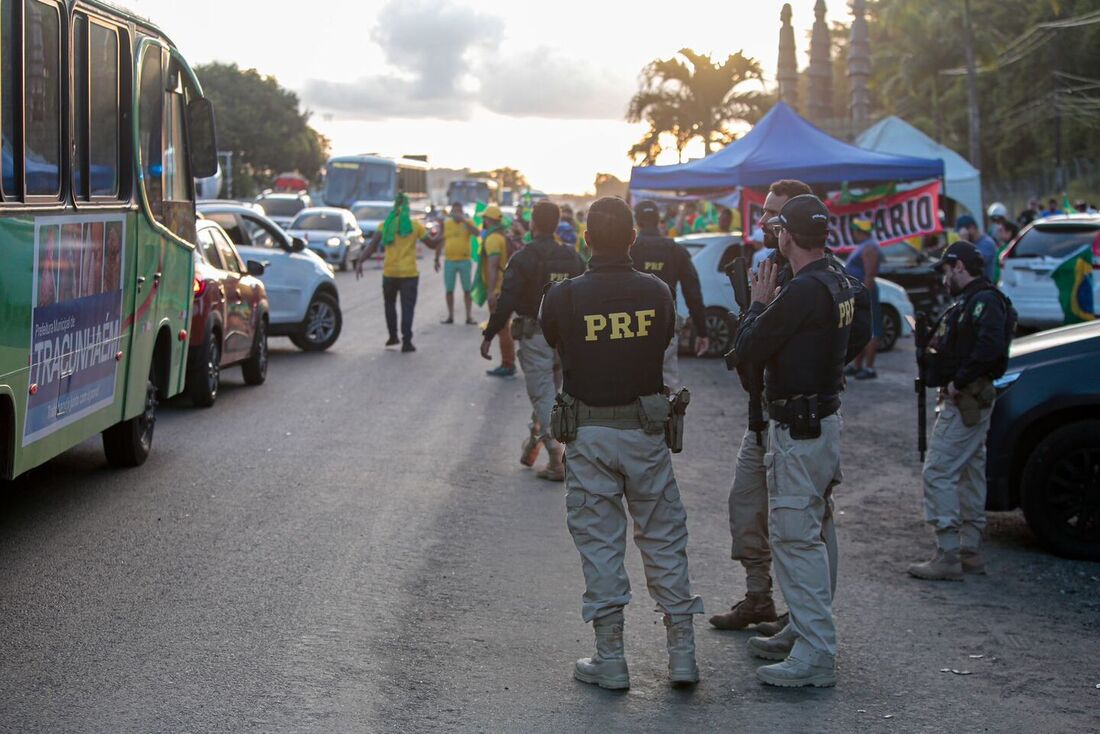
x=537, y=86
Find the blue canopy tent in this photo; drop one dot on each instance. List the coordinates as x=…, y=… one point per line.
x=784, y=145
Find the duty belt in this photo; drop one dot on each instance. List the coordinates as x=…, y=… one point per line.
x=782, y=411
x=613, y=416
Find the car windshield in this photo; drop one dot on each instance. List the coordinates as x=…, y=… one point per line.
x=696, y=245
x=370, y=211
x=281, y=207
x=319, y=221
x=1055, y=241
x=901, y=253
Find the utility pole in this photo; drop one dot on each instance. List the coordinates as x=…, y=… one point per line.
x=972, y=89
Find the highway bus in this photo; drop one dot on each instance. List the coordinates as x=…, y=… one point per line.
x=471, y=191
x=353, y=178
x=104, y=129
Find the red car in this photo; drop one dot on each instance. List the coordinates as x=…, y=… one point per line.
x=229, y=323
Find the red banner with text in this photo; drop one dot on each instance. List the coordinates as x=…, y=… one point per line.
x=912, y=213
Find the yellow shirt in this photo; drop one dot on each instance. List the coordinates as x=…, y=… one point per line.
x=495, y=244
x=456, y=240
x=400, y=258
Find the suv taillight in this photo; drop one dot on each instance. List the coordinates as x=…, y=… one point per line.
x=200, y=287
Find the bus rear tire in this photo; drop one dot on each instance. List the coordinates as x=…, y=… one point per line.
x=127, y=444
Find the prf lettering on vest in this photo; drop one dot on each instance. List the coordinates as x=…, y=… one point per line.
x=654, y=266
x=558, y=277
x=619, y=324
x=847, y=310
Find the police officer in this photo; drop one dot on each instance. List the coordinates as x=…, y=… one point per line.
x=661, y=256
x=967, y=351
x=748, y=499
x=611, y=326
x=801, y=333
x=544, y=260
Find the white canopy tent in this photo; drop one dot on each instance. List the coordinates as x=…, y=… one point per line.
x=963, y=182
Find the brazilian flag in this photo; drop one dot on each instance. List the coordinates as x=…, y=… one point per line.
x=1074, y=280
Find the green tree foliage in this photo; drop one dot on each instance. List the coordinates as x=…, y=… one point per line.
x=691, y=96
x=263, y=124
x=1037, y=85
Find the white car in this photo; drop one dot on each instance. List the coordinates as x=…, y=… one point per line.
x=712, y=251
x=332, y=233
x=301, y=287
x=282, y=207
x=1029, y=260
x=370, y=215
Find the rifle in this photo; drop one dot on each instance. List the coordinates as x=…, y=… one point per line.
x=752, y=378
x=921, y=333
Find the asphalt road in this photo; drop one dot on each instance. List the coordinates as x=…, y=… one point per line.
x=353, y=547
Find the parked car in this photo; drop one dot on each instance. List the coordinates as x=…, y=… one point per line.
x=332, y=233
x=282, y=207
x=370, y=215
x=1043, y=446
x=305, y=303
x=229, y=319
x=910, y=268
x=711, y=252
x=1029, y=260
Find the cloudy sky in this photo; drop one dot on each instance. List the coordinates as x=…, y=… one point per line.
x=541, y=87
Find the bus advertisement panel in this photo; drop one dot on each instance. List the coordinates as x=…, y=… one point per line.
x=76, y=320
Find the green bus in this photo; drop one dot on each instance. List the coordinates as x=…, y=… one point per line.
x=104, y=130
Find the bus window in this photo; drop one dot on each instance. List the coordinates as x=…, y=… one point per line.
x=8, y=107
x=150, y=106
x=42, y=90
x=96, y=87
x=179, y=206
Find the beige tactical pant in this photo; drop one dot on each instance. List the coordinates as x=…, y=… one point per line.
x=748, y=505
x=602, y=465
x=954, y=479
x=672, y=359
x=801, y=476
x=538, y=359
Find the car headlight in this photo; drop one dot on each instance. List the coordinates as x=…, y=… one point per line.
x=1007, y=379
x=333, y=242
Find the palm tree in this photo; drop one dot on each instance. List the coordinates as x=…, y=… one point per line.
x=690, y=96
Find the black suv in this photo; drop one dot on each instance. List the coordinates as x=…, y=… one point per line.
x=1044, y=439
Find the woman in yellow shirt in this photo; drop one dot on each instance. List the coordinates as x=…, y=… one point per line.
x=400, y=276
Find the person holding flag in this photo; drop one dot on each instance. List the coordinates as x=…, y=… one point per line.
x=400, y=276
x=1074, y=280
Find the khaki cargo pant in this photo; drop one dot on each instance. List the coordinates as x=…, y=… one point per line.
x=538, y=361
x=801, y=476
x=748, y=506
x=672, y=359
x=602, y=466
x=954, y=479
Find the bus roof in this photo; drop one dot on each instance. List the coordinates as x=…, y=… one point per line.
x=120, y=11
x=375, y=158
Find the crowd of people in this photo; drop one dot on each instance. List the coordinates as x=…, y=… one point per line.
x=596, y=336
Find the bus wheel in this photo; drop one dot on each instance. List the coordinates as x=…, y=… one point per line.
x=128, y=443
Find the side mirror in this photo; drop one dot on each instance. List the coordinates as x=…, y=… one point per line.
x=297, y=244
x=204, y=146
x=255, y=267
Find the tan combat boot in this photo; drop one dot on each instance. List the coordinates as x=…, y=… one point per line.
x=529, y=452
x=681, y=649
x=607, y=668
x=793, y=673
x=972, y=561
x=554, y=471
x=944, y=566
x=771, y=629
x=755, y=607
x=776, y=647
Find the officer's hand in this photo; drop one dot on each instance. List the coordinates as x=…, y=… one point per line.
x=702, y=346
x=486, y=344
x=764, y=282
x=953, y=392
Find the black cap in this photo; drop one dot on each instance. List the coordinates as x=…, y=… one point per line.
x=642, y=208
x=804, y=214
x=962, y=251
